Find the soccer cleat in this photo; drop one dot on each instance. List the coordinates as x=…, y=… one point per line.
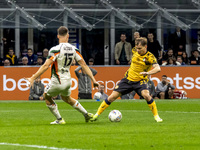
x=94, y=118
x=88, y=116
x=58, y=122
x=158, y=119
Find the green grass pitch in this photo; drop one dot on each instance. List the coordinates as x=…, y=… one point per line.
x=24, y=125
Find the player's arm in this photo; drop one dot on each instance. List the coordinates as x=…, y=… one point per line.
x=156, y=69
x=40, y=71
x=84, y=66
x=94, y=72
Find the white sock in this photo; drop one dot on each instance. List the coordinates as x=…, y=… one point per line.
x=54, y=111
x=80, y=108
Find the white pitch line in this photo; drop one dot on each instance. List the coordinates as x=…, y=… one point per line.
x=37, y=146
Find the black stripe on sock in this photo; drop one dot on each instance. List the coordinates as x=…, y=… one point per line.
x=107, y=102
x=149, y=102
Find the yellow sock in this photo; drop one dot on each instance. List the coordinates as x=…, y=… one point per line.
x=102, y=107
x=153, y=108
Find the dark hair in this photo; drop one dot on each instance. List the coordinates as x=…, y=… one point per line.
x=179, y=57
x=164, y=76
x=173, y=59
x=141, y=40
x=185, y=59
x=195, y=51
x=150, y=33
x=170, y=49
x=39, y=57
x=123, y=34
x=30, y=49
x=91, y=60
x=62, y=31
x=11, y=48
x=185, y=53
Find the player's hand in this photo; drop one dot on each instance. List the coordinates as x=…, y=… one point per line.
x=96, y=85
x=29, y=81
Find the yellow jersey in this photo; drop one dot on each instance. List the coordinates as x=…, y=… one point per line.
x=140, y=64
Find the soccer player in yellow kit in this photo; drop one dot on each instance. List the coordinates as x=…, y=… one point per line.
x=136, y=78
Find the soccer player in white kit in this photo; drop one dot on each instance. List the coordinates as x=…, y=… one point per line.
x=60, y=58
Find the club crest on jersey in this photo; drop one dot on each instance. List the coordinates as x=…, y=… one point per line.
x=146, y=61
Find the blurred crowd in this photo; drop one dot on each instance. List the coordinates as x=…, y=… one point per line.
x=27, y=58
x=175, y=55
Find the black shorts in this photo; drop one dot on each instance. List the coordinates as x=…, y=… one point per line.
x=125, y=86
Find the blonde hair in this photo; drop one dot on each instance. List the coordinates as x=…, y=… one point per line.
x=141, y=40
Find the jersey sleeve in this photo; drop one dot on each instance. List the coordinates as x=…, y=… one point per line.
x=53, y=53
x=152, y=59
x=78, y=55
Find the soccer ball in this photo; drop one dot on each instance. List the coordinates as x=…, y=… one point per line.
x=97, y=95
x=115, y=116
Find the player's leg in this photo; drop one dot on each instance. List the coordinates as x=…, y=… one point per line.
x=50, y=91
x=54, y=110
x=75, y=104
x=105, y=104
x=152, y=105
x=123, y=87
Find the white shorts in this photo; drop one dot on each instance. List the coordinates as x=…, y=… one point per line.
x=55, y=88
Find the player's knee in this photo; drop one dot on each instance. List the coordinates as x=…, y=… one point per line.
x=45, y=95
x=113, y=96
x=145, y=94
x=67, y=99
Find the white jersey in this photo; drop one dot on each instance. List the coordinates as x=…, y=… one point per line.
x=63, y=56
